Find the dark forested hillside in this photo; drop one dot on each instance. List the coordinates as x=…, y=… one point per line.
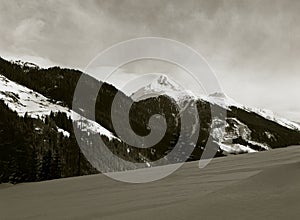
x=33, y=150
x=55, y=83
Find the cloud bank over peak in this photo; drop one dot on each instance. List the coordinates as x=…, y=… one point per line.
x=253, y=46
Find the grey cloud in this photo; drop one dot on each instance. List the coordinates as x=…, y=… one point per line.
x=254, y=46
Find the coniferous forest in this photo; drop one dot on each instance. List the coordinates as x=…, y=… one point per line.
x=33, y=150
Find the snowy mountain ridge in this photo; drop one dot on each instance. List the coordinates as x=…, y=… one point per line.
x=163, y=85
x=26, y=101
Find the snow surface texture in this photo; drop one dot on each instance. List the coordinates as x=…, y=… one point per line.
x=23, y=100
x=261, y=186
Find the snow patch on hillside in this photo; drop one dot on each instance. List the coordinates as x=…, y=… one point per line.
x=24, y=100
x=236, y=148
x=65, y=133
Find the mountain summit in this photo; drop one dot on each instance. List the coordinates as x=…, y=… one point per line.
x=163, y=85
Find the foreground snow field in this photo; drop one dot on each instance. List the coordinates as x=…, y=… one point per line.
x=264, y=185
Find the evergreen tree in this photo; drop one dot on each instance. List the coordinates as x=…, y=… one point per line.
x=46, y=165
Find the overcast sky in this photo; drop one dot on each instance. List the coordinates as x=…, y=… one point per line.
x=253, y=46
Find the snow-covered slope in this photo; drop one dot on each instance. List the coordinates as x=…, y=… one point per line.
x=226, y=102
x=23, y=100
x=273, y=117
x=262, y=186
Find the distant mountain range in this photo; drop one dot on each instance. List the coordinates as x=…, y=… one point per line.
x=39, y=102
x=236, y=126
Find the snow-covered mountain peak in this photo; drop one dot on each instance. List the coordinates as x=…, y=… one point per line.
x=163, y=85
x=221, y=99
